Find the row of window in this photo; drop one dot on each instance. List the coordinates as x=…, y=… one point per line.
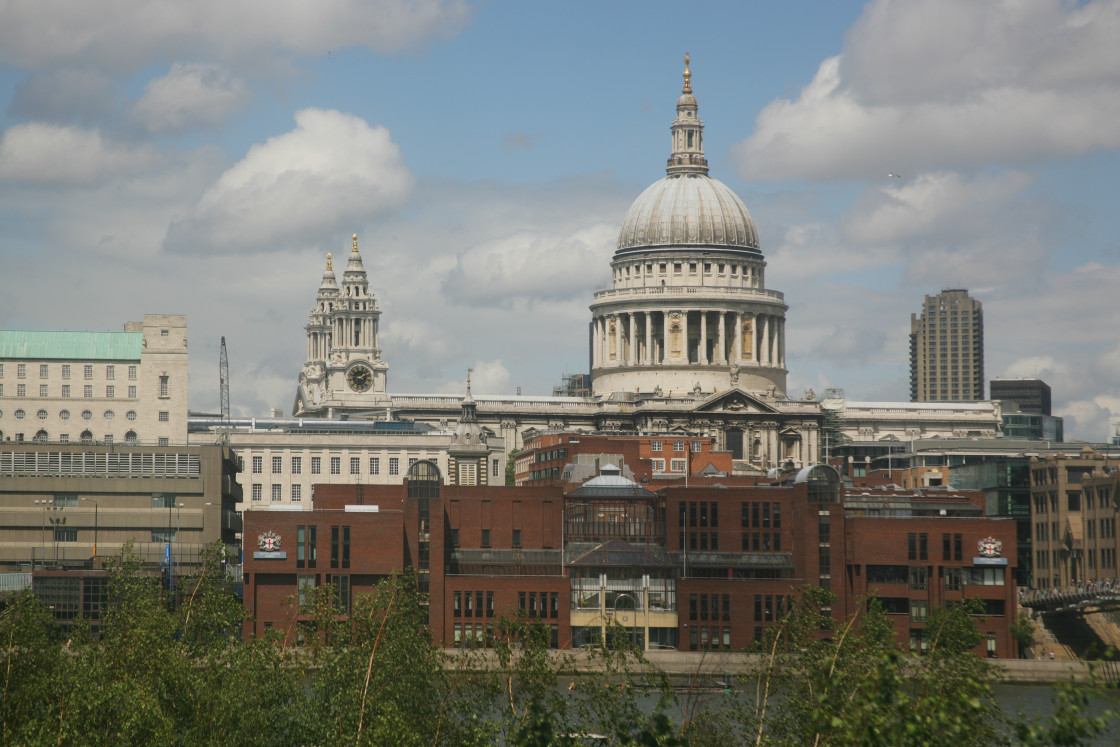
x=917, y=577
x=87, y=371
x=340, y=588
x=675, y=465
x=677, y=445
x=295, y=494
x=86, y=437
x=709, y=607
x=761, y=515
x=41, y=414
x=307, y=552
x=678, y=268
x=87, y=391
x=700, y=540
x=296, y=465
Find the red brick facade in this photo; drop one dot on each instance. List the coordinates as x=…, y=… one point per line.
x=690, y=568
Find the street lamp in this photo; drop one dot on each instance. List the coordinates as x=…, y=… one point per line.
x=42, y=535
x=93, y=558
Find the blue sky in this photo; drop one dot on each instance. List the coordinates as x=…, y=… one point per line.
x=202, y=158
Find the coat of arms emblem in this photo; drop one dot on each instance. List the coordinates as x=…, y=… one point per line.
x=268, y=541
x=989, y=547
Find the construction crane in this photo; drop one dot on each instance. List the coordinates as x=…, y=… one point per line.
x=223, y=389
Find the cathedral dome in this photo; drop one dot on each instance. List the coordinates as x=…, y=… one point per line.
x=688, y=210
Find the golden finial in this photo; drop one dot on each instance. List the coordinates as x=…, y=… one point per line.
x=687, y=74
x=328, y=260
x=355, y=243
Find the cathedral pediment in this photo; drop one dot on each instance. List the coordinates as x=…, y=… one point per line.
x=736, y=401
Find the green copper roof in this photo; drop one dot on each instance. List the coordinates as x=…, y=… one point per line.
x=75, y=346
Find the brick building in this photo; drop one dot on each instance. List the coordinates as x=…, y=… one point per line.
x=558, y=458
x=698, y=567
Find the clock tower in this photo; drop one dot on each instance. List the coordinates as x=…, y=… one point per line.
x=344, y=369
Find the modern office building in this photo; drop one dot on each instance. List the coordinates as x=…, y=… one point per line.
x=96, y=387
x=947, y=349
x=68, y=506
x=1030, y=395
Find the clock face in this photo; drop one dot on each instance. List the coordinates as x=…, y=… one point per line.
x=360, y=378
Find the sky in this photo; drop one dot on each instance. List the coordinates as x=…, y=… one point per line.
x=202, y=158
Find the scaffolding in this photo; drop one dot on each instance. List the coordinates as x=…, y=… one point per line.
x=574, y=385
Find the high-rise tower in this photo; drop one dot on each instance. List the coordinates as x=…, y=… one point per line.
x=689, y=311
x=947, y=349
x=344, y=367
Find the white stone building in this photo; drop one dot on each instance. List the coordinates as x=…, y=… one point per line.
x=96, y=387
x=689, y=339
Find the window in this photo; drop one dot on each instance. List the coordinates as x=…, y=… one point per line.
x=919, y=610
x=66, y=370
x=110, y=392
x=130, y=415
x=316, y=465
x=658, y=465
x=110, y=415
x=297, y=465
x=21, y=390
x=110, y=372
x=164, y=441
x=43, y=389
x=375, y=465
x=277, y=495
x=165, y=386
x=336, y=465
x=64, y=415
x=131, y=373
x=494, y=468
x=132, y=392
x=678, y=446
x=87, y=372
x=696, y=447
x=297, y=493
x=163, y=535
x=306, y=588
x=42, y=414
x=163, y=333
x=164, y=416
x=341, y=586
x=87, y=391
x=517, y=538
x=677, y=465
x=21, y=370
x=258, y=465
x=277, y=465
x=355, y=465
x=655, y=445
x=65, y=390
x=486, y=538
x=394, y=466
x=87, y=415
x=257, y=491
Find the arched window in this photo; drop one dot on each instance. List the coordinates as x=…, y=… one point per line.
x=41, y=436
x=87, y=437
x=130, y=438
x=423, y=479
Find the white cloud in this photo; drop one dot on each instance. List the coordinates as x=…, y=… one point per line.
x=191, y=94
x=39, y=153
x=934, y=84
x=532, y=265
x=331, y=170
x=126, y=34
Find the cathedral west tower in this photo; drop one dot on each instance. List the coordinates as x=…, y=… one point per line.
x=344, y=369
x=689, y=310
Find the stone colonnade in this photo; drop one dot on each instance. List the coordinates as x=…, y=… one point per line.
x=346, y=332
x=652, y=338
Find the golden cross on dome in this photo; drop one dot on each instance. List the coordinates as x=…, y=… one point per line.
x=328, y=260
x=687, y=74
x=355, y=243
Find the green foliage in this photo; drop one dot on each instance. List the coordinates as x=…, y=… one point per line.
x=1022, y=631
x=511, y=467
x=164, y=671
